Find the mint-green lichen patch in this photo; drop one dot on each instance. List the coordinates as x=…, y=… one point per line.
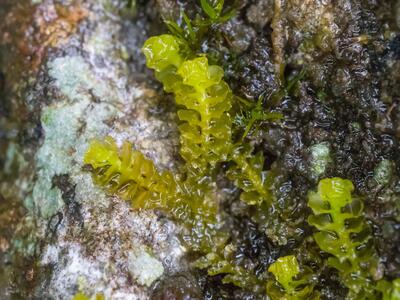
x=91, y=96
x=12, y=184
x=55, y=157
x=45, y=200
x=67, y=126
x=60, y=125
x=73, y=77
x=384, y=172
x=320, y=158
x=13, y=159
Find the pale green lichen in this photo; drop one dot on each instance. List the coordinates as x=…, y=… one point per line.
x=320, y=158
x=81, y=110
x=144, y=267
x=73, y=75
x=46, y=200
x=62, y=122
x=60, y=125
x=384, y=172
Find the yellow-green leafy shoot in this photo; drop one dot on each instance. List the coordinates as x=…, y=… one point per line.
x=284, y=269
x=204, y=101
x=81, y=296
x=389, y=290
x=344, y=233
x=129, y=174
x=291, y=283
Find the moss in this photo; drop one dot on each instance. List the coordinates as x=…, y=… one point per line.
x=389, y=290
x=130, y=175
x=205, y=131
x=284, y=269
x=80, y=296
x=210, y=147
x=247, y=172
x=223, y=263
x=193, y=32
x=205, y=101
x=291, y=283
x=344, y=233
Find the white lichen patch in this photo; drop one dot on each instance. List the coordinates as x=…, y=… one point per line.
x=384, y=172
x=319, y=16
x=74, y=77
x=144, y=267
x=75, y=269
x=320, y=158
x=111, y=251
